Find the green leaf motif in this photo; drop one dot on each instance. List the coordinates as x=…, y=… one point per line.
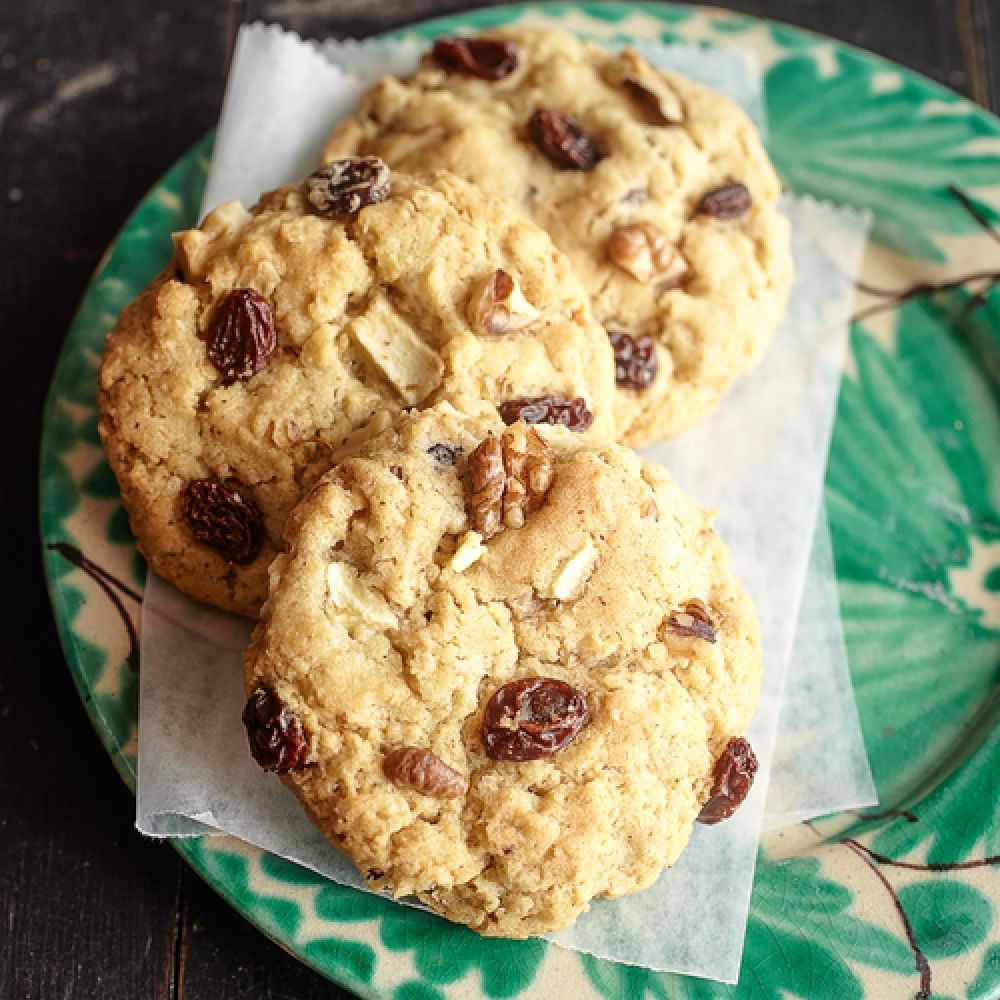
x=986, y=986
x=852, y=143
x=802, y=940
x=910, y=488
x=444, y=952
x=948, y=917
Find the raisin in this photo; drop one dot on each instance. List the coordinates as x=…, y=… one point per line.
x=344, y=187
x=571, y=413
x=636, y=362
x=693, y=621
x=484, y=58
x=424, y=772
x=729, y=202
x=532, y=718
x=241, y=337
x=732, y=780
x=444, y=454
x=221, y=517
x=277, y=740
x=562, y=139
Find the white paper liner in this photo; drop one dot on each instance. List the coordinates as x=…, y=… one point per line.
x=759, y=459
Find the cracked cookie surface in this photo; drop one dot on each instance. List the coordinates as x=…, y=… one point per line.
x=393, y=628
x=658, y=189
x=280, y=337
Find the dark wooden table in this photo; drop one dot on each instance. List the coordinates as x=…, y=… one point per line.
x=97, y=99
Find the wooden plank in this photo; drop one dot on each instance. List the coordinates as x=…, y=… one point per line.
x=96, y=101
x=987, y=25
x=921, y=34
x=224, y=958
x=88, y=906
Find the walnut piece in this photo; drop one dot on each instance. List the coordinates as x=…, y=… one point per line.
x=642, y=250
x=497, y=305
x=650, y=88
x=424, y=772
x=693, y=621
x=510, y=477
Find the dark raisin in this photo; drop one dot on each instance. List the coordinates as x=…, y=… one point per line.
x=223, y=518
x=484, y=58
x=732, y=780
x=397, y=471
x=729, y=202
x=444, y=454
x=277, y=740
x=344, y=187
x=241, y=337
x=562, y=139
x=571, y=413
x=636, y=362
x=532, y=718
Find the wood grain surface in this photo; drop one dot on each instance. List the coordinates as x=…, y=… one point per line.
x=97, y=99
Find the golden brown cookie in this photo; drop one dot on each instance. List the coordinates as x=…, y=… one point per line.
x=282, y=336
x=504, y=669
x=657, y=188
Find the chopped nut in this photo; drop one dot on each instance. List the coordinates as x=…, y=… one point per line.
x=642, y=250
x=693, y=622
x=650, y=88
x=486, y=501
x=470, y=549
x=572, y=575
x=424, y=772
x=510, y=478
x=354, y=600
x=405, y=360
x=497, y=305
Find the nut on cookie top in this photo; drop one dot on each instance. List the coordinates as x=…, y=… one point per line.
x=283, y=335
x=505, y=668
x=658, y=189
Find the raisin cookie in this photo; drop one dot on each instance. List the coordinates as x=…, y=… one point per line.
x=504, y=668
x=657, y=188
x=282, y=336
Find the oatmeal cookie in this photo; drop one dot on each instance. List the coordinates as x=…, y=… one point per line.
x=282, y=336
x=657, y=188
x=504, y=668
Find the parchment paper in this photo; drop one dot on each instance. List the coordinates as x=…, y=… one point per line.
x=759, y=460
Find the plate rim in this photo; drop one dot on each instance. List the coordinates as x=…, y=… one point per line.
x=458, y=20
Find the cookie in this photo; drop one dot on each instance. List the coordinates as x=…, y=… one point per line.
x=657, y=188
x=281, y=336
x=504, y=669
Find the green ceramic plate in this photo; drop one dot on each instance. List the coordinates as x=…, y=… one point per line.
x=901, y=903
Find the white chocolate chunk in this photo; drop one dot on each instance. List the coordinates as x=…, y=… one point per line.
x=572, y=575
x=354, y=600
x=405, y=360
x=470, y=549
